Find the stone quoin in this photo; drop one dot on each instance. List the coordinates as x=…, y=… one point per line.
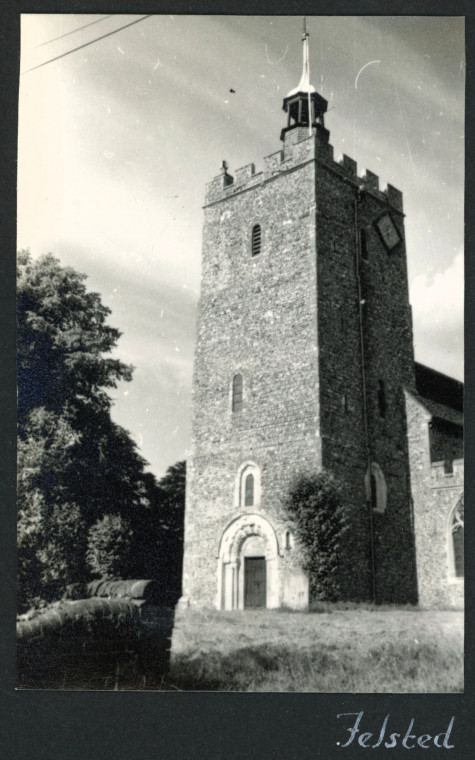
x=304, y=362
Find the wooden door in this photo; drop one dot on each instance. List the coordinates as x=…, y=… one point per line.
x=254, y=582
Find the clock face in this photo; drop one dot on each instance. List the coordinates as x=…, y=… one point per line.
x=388, y=232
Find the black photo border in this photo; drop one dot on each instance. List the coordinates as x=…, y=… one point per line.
x=45, y=725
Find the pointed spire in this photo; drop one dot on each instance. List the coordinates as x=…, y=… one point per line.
x=304, y=84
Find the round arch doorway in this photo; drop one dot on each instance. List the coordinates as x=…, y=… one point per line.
x=248, y=565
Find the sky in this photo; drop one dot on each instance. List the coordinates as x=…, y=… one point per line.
x=118, y=139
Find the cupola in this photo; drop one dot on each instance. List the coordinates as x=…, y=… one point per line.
x=303, y=100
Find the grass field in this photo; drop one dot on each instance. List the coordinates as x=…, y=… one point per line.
x=356, y=649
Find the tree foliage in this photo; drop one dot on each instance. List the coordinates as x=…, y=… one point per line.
x=314, y=504
x=109, y=547
x=51, y=527
x=81, y=480
x=170, y=529
x=62, y=336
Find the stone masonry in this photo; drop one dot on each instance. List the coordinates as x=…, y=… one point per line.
x=318, y=326
x=437, y=490
x=288, y=321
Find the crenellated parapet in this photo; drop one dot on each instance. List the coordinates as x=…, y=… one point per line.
x=369, y=182
x=299, y=148
x=226, y=185
x=244, y=174
x=447, y=475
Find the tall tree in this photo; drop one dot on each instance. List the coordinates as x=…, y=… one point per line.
x=170, y=515
x=80, y=476
x=62, y=339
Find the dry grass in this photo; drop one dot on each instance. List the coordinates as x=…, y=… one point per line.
x=341, y=648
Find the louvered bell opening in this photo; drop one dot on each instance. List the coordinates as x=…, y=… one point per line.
x=256, y=240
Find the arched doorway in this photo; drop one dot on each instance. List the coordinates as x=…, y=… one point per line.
x=248, y=565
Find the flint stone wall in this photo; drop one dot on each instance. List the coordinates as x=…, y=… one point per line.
x=435, y=494
x=287, y=320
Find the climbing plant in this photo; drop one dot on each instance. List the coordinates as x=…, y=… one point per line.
x=314, y=505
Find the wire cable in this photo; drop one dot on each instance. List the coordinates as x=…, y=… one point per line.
x=56, y=58
x=73, y=31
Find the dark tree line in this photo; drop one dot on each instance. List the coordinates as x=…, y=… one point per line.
x=86, y=506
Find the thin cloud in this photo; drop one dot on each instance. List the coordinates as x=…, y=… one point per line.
x=438, y=312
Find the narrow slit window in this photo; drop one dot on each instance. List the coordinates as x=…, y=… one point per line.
x=376, y=488
x=237, y=393
x=374, y=492
x=382, y=399
x=249, y=491
x=256, y=240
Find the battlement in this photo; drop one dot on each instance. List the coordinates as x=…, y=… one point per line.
x=225, y=184
x=444, y=475
x=300, y=147
x=369, y=181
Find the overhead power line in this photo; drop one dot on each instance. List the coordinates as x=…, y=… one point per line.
x=91, y=42
x=73, y=31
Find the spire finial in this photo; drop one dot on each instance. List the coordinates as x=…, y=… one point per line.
x=304, y=84
x=305, y=79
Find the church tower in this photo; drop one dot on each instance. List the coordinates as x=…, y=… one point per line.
x=304, y=347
